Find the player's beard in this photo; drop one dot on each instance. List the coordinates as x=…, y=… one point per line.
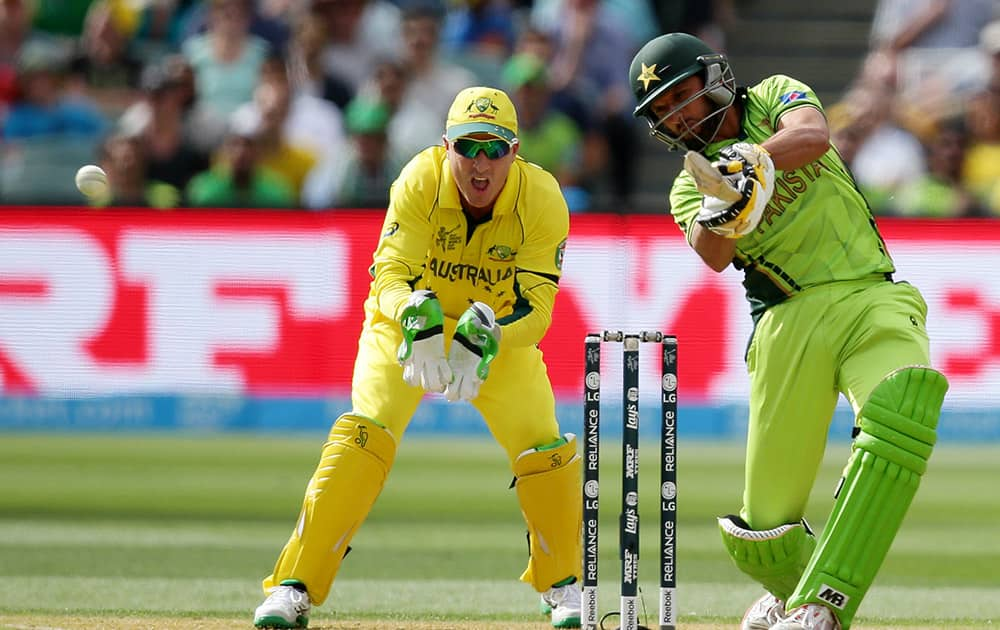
x=694, y=138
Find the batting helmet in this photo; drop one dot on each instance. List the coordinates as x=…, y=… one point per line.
x=666, y=61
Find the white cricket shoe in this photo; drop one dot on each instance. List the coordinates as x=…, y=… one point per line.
x=764, y=613
x=809, y=617
x=564, y=603
x=286, y=607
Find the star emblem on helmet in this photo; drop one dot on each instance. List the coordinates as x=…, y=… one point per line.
x=648, y=75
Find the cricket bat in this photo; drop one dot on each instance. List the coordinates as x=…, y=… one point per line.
x=708, y=179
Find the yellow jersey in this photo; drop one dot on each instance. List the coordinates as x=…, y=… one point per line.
x=510, y=260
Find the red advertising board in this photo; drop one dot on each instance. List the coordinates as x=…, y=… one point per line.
x=122, y=302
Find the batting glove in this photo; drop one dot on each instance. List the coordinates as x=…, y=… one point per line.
x=749, y=169
x=474, y=346
x=422, y=352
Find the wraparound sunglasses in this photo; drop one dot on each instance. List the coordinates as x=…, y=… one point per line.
x=494, y=149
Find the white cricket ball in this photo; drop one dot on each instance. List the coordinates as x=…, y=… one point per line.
x=92, y=181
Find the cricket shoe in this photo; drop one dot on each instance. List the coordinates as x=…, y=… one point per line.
x=764, y=613
x=809, y=617
x=564, y=604
x=286, y=607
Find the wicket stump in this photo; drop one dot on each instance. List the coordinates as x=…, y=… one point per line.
x=629, y=516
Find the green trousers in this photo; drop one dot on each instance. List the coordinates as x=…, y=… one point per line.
x=840, y=338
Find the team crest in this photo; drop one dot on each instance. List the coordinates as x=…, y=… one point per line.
x=500, y=253
x=560, y=254
x=648, y=75
x=484, y=105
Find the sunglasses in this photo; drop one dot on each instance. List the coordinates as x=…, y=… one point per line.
x=494, y=149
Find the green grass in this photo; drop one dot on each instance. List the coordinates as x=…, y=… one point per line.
x=189, y=525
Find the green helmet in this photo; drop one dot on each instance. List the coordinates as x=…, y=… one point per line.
x=666, y=61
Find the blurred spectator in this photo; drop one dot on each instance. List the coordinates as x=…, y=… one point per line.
x=411, y=128
x=226, y=61
x=546, y=136
x=269, y=113
x=270, y=25
x=935, y=42
x=939, y=193
x=480, y=34
x=305, y=54
x=61, y=17
x=43, y=108
x=237, y=180
x=866, y=127
x=707, y=20
x=123, y=159
x=158, y=122
x=592, y=45
x=103, y=66
x=361, y=176
x=981, y=169
x=359, y=32
x=902, y=24
x=888, y=156
x=15, y=28
x=312, y=123
x=431, y=82
x=637, y=18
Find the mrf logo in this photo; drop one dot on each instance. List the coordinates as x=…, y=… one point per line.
x=832, y=596
x=484, y=106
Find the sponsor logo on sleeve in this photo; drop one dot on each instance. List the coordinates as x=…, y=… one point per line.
x=560, y=254
x=794, y=95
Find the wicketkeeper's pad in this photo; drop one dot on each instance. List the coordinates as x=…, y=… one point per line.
x=773, y=557
x=548, y=488
x=352, y=469
x=897, y=430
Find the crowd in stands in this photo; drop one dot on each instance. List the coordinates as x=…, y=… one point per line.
x=319, y=103
x=310, y=103
x=920, y=125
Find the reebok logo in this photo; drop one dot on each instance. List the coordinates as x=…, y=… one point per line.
x=832, y=596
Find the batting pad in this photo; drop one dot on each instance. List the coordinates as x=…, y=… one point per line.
x=549, y=490
x=898, y=428
x=352, y=469
x=774, y=557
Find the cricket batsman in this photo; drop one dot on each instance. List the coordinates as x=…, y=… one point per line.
x=463, y=284
x=763, y=190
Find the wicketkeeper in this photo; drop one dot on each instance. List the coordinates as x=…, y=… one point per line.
x=463, y=284
x=765, y=191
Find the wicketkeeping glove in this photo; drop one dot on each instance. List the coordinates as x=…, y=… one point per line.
x=748, y=169
x=474, y=346
x=422, y=352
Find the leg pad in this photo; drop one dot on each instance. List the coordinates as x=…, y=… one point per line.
x=352, y=469
x=774, y=557
x=548, y=489
x=897, y=430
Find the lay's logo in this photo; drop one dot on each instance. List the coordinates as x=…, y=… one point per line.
x=794, y=95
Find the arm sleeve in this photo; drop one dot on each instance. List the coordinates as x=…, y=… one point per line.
x=685, y=203
x=406, y=235
x=539, y=267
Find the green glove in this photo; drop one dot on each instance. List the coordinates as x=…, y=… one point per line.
x=475, y=345
x=422, y=352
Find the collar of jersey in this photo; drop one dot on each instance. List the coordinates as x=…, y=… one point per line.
x=449, y=197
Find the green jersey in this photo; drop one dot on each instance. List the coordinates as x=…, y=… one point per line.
x=817, y=227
